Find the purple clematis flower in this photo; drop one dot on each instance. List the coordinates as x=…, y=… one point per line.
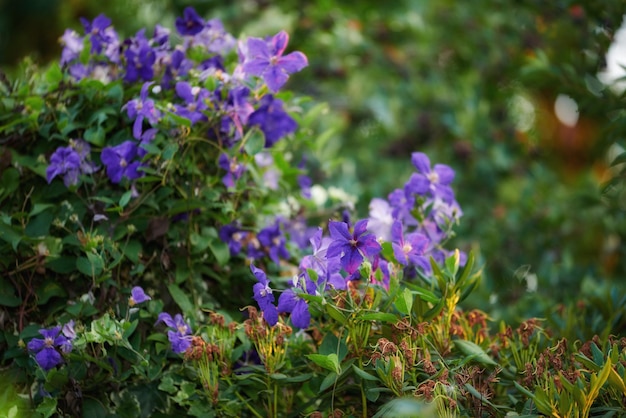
x=140, y=59
x=84, y=152
x=102, y=36
x=264, y=297
x=409, y=249
x=190, y=23
x=290, y=302
x=119, y=161
x=72, y=46
x=142, y=108
x=180, y=335
x=351, y=247
x=265, y=59
x=144, y=140
x=213, y=38
x=195, y=101
x=317, y=261
x=46, y=349
x=232, y=235
x=380, y=219
x=137, y=296
x=234, y=169
x=273, y=239
x=238, y=109
x=436, y=181
x=272, y=119
x=66, y=162
x=176, y=65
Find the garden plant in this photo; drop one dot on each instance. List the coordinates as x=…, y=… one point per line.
x=165, y=251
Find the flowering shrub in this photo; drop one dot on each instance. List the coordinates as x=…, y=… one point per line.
x=160, y=231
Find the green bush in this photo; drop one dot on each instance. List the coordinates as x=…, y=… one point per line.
x=155, y=189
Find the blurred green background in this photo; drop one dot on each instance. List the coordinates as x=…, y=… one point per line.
x=508, y=93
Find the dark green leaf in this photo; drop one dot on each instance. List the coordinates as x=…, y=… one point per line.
x=181, y=298
x=8, y=296
x=49, y=289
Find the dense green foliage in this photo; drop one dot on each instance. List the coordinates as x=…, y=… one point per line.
x=472, y=85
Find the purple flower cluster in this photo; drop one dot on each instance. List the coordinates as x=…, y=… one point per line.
x=418, y=216
x=270, y=241
x=415, y=221
x=70, y=162
x=55, y=342
x=228, y=109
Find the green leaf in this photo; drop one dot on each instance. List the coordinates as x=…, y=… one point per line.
x=10, y=235
x=170, y=150
x=379, y=316
x=332, y=344
x=465, y=272
x=328, y=381
x=54, y=76
x=452, y=262
x=95, y=135
x=619, y=159
x=93, y=408
x=115, y=92
x=364, y=375
x=7, y=296
x=329, y=362
x=47, y=407
x=220, y=251
x=49, y=289
x=595, y=86
x=255, y=142
x=424, y=294
x=404, y=301
x=475, y=352
x=125, y=198
x=10, y=181
x=336, y=314
x=181, y=298
x=91, y=265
